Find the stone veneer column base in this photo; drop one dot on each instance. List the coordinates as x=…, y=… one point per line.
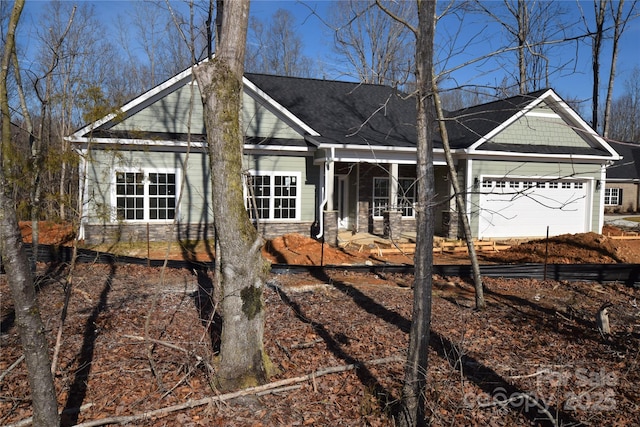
x=392, y=224
x=330, y=232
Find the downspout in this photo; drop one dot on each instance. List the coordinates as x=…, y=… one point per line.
x=325, y=196
x=83, y=198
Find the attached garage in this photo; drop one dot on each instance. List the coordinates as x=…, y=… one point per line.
x=526, y=207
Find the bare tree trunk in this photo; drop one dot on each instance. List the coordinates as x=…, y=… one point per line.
x=600, y=9
x=618, y=28
x=412, y=408
x=243, y=361
x=32, y=332
x=36, y=146
x=460, y=201
x=522, y=18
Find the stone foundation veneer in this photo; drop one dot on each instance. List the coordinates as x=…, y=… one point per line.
x=141, y=232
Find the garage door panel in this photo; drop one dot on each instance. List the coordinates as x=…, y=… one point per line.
x=527, y=208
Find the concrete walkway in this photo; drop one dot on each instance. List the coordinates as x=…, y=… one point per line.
x=620, y=221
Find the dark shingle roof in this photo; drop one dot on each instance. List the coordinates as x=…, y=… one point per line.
x=344, y=112
x=629, y=167
x=356, y=113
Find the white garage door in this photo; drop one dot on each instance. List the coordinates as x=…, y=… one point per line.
x=525, y=208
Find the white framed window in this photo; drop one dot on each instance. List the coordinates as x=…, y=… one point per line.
x=613, y=196
x=273, y=195
x=145, y=194
x=380, y=195
x=406, y=196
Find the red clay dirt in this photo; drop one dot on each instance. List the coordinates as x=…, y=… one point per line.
x=301, y=250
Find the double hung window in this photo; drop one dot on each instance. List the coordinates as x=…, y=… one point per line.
x=613, y=196
x=145, y=195
x=273, y=196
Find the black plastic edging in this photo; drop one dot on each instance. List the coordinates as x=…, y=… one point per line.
x=628, y=274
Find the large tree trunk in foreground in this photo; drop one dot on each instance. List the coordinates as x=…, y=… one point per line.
x=242, y=360
x=32, y=332
x=412, y=410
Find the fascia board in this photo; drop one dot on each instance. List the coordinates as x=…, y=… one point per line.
x=501, y=155
x=280, y=108
x=624, y=180
x=356, y=147
x=473, y=147
x=363, y=155
x=181, y=144
x=278, y=148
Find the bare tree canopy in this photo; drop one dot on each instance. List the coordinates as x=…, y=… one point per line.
x=275, y=48
x=527, y=27
x=625, y=111
x=376, y=48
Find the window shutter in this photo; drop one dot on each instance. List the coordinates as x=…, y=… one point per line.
x=619, y=196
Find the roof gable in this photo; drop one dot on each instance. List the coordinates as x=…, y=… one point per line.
x=536, y=123
x=174, y=109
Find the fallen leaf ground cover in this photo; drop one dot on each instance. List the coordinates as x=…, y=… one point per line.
x=140, y=339
x=137, y=339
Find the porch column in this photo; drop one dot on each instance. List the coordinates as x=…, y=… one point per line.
x=330, y=215
x=393, y=186
x=329, y=178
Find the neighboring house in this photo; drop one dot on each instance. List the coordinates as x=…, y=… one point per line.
x=323, y=156
x=622, y=190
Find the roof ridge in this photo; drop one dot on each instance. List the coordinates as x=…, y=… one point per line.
x=353, y=83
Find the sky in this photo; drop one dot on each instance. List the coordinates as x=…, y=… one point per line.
x=575, y=83
x=317, y=40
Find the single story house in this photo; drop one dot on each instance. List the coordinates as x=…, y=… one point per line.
x=622, y=190
x=323, y=156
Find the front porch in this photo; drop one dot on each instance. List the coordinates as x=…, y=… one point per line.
x=379, y=199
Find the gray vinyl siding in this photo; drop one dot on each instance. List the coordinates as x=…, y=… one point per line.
x=261, y=122
x=196, y=195
x=170, y=114
x=536, y=130
x=493, y=168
